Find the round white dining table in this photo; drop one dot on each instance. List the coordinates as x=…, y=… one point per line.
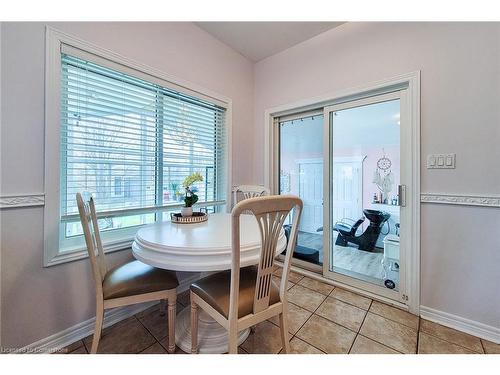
x=201, y=247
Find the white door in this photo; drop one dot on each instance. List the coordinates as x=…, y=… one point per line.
x=311, y=193
x=347, y=190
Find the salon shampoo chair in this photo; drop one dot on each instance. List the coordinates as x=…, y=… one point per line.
x=367, y=240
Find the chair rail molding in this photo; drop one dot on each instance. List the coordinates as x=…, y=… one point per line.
x=22, y=200
x=461, y=199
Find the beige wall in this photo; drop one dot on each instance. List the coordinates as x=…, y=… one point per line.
x=460, y=113
x=38, y=302
x=460, y=91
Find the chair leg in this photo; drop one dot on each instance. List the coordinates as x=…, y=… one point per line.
x=233, y=339
x=283, y=317
x=172, y=301
x=194, y=327
x=163, y=304
x=99, y=317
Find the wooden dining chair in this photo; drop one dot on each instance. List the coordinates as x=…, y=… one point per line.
x=240, y=298
x=249, y=191
x=126, y=284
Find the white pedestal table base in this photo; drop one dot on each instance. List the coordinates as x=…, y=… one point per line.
x=212, y=337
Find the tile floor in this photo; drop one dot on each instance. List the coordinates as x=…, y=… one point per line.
x=323, y=319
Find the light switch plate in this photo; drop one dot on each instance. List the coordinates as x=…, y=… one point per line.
x=441, y=161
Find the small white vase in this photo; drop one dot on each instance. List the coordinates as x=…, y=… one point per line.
x=186, y=211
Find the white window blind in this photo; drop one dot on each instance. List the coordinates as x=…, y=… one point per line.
x=131, y=142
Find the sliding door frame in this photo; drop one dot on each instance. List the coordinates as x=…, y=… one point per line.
x=410, y=298
x=328, y=128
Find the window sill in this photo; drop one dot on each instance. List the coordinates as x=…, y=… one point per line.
x=70, y=256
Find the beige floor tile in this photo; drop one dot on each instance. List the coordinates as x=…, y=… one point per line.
x=164, y=343
x=277, y=281
x=157, y=324
x=265, y=340
x=352, y=298
x=364, y=345
x=394, y=335
x=490, y=347
x=395, y=314
x=297, y=316
x=155, y=307
x=183, y=298
x=451, y=335
x=80, y=350
x=316, y=285
x=326, y=335
x=294, y=277
x=70, y=348
x=297, y=346
x=127, y=336
x=305, y=298
x=342, y=313
x=428, y=344
x=156, y=348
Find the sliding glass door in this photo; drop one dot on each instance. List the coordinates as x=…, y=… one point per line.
x=364, y=193
x=301, y=174
x=344, y=161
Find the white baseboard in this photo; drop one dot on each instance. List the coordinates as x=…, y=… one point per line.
x=81, y=330
x=471, y=327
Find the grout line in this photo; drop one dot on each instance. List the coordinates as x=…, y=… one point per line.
x=305, y=286
x=313, y=313
x=454, y=343
x=83, y=346
x=349, y=303
x=387, y=344
x=395, y=321
x=359, y=329
x=451, y=342
x=378, y=342
x=298, y=338
x=418, y=335
x=381, y=343
x=156, y=342
x=482, y=346
x=149, y=331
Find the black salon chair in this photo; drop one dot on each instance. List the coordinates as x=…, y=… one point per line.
x=367, y=240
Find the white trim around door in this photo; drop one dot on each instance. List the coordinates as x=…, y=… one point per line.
x=409, y=99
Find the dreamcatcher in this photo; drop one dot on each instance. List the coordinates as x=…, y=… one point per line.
x=383, y=177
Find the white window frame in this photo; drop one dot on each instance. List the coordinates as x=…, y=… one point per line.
x=120, y=239
x=271, y=169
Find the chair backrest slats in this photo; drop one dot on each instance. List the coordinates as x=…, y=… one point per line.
x=249, y=191
x=270, y=213
x=88, y=218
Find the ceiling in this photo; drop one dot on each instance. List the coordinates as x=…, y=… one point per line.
x=258, y=40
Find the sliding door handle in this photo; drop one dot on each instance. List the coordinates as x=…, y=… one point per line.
x=402, y=195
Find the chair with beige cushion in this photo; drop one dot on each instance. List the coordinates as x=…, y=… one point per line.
x=241, y=298
x=126, y=284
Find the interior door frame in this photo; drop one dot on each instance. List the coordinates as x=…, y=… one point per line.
x=410, y=114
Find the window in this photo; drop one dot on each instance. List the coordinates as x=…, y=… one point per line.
x=129, y=139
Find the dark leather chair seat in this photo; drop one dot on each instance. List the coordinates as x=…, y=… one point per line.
x=134, y=278
x=215, y=289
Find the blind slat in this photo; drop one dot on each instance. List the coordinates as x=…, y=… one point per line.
x=121, y=136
